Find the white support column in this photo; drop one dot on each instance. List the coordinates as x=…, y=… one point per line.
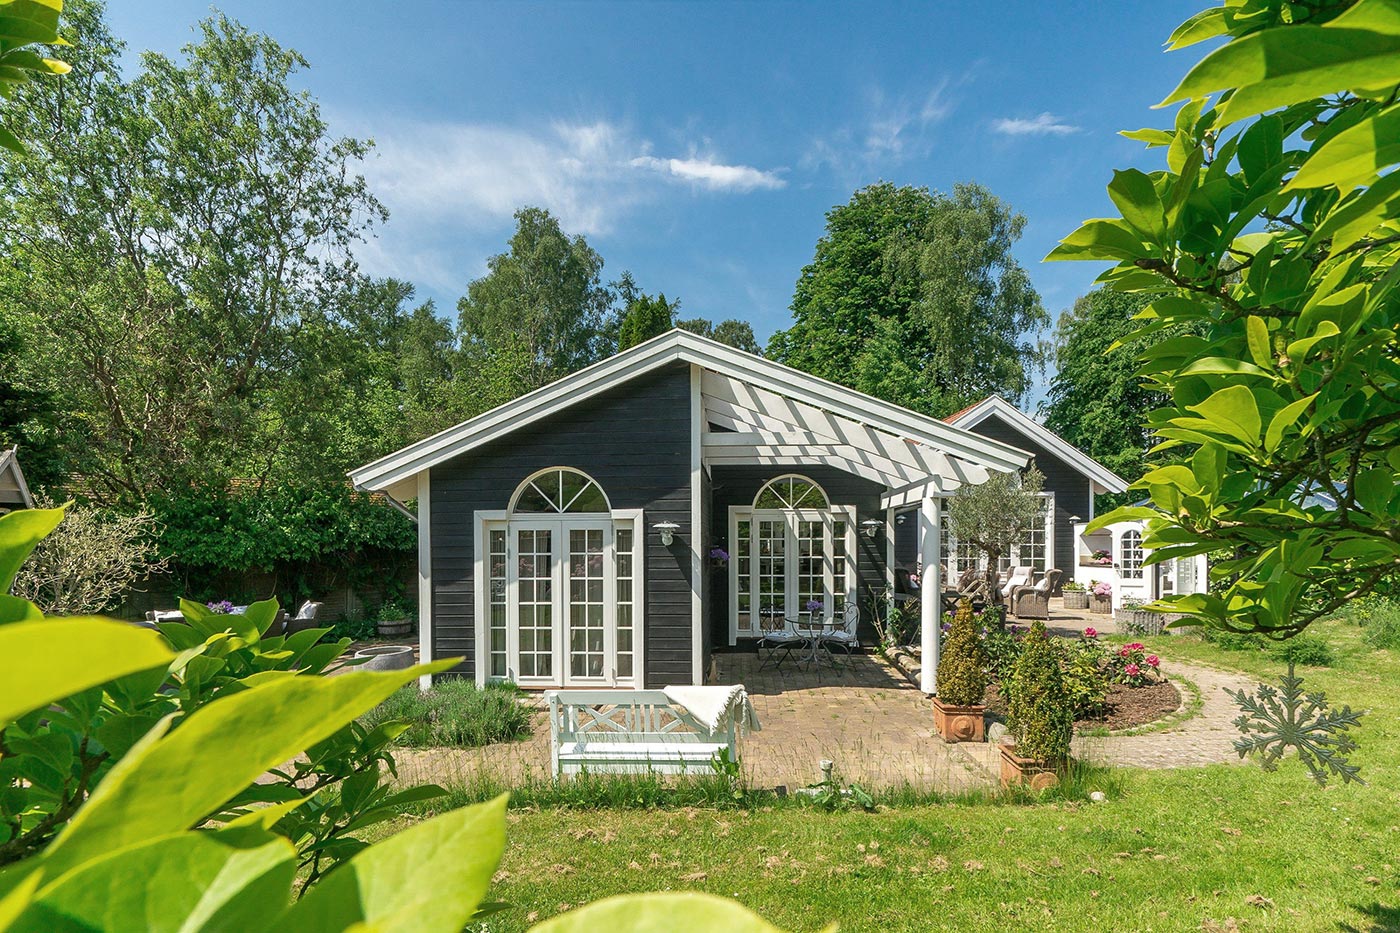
x=931, y=592
x=425, y=575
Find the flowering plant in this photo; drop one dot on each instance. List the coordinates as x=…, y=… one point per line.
x=1091, y=632
x=814, y=605
x=1103, y=589
x=718, y=553
x=1133, y=666
x=1102, y=557
x=223, y=607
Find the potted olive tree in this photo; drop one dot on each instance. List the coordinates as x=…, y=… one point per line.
x=958, y=710
x=1039, y=713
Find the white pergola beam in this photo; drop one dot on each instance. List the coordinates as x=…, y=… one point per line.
x=931, y=589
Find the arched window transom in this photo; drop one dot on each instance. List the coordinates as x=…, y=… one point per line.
x=791, y=492
x=559, y=490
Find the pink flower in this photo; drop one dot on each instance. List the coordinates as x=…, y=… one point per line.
x=1132, y=670
x=1136, y=646
x=1151, y=660
x=1091, y=632
x=1123, y=652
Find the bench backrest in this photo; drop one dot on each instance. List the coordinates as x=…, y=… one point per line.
x=622, y=716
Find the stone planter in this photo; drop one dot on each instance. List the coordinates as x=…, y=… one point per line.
x=1035, y=773
x=1101, y=604
x=1076, y=599
x=396, y=628
x=960, y=723
x=385, y=657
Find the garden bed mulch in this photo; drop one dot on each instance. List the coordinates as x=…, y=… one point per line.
x=1128, y=707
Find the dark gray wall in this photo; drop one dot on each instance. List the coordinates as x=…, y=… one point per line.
x=635, y=441
x=737, y=485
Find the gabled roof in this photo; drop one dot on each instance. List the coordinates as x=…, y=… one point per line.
x=887, y=425
x=14, y=491
x=974, y=415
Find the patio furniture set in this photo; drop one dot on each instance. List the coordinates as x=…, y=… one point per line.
x=812, y=636
x=305, y=618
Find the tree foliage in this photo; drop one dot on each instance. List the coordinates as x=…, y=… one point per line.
x=913, y=296
x=735, y=333
x=996, y=515
x=1272, y=236
x=962, y=665
x=1097, y=401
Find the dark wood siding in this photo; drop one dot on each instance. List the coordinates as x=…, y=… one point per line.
x=635, y=441
x=737, y=485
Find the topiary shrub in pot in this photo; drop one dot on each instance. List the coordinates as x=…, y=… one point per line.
x=1040, y=715
x=958, y=711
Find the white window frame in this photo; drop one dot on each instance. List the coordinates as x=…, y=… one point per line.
x=1136, y=570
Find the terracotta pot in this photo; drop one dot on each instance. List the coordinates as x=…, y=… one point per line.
x=1076, y=599
x=960, y=723
x=396, y=628
x=1102, y=604
x=1035, y=773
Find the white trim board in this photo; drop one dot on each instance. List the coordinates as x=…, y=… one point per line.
x=996, y=405
x=390, y=473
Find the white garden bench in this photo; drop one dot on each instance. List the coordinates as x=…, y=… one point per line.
x=631, y=732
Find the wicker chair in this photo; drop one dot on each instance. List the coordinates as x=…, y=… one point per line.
x=1033, y=602
x=304, y=619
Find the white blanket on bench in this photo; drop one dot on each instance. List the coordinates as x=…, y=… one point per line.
x=713, y=705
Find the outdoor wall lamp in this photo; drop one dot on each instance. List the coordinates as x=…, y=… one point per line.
x=667, y=530
x=870, y=527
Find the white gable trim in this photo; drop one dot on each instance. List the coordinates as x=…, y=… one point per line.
x=854, y=407
x=9, y=463
x=996, y=405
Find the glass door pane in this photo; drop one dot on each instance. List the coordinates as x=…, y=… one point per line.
x=535, y=582
x=625, y=604
x=497, y=602
x=810, y=539
x=770, y=567
x=587, y=657
x=743, y=574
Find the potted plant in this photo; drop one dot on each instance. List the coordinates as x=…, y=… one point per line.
x=1039, y=713
x=394, y=620
x=958, y=710
x=1076, y=596
x=1100, y=596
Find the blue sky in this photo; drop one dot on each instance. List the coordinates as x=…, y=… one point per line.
x=700, y=144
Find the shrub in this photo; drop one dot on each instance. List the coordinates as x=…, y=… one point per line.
x=1233, y=641
x=1002, y=647
x=962, y=667
x=1132, y=665
x=1083, y=667
x=454, y=712
x=1039, y=711
x=1379, y=619
x=1306, y=648
x=355, y=625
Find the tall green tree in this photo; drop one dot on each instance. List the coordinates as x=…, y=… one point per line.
x=644, y=317
x=1097, y=401
x=538, y=313
x=177, y=247
x=735, y=333
x=914, y=296
x=1271, y=235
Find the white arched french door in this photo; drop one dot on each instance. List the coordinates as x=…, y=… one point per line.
x=793, y=554
x=560, y=604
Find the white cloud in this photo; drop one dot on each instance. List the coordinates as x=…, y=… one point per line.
x=1047, y=124
x=891, y=131
x=710, y=174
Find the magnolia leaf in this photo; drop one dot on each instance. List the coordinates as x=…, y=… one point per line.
x=1101, y=238
x=1257, y=337
x=1359, y=215
x=49, y=659
x=1206, y=24
x=671, y=912
x=399, y=884
x=186, y=882
x=1374, y=489
x=1152, y=137
x=171, y=784
x=1135, y=196
x=20, y=531
x=1278, y=67
x=14, y=609
x=1283, y=419
x=1298, y=349
x=1234, y=411
x=1122, y=514
x=1354, y=156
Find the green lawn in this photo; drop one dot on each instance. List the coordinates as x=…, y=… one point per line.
x=1184, y=850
